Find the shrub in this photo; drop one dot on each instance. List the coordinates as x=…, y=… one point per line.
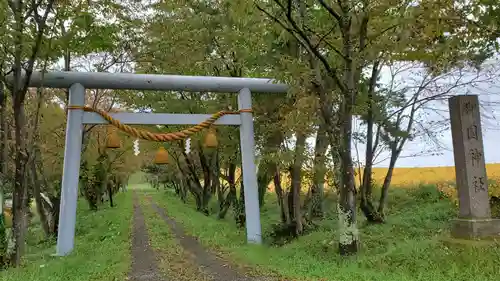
x=426, y=192
x=449, y=191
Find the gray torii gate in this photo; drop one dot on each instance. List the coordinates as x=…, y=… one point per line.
x=78, y=82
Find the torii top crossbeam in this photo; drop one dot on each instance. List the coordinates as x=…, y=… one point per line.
x=132, y=81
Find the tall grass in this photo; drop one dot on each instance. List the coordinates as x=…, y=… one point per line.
x=101, y=249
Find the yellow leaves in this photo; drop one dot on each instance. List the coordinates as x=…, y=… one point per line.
x=448, y=191
x=494, y=187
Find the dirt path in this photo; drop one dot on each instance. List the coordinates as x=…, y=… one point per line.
x=144, y=267
x=212, y=265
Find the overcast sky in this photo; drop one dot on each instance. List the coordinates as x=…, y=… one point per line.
x=488, y=90
x=491, y=134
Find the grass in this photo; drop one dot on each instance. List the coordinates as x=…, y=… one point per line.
x=412, y=245
x=409, y=247
x=101, y=248
x=137, y=178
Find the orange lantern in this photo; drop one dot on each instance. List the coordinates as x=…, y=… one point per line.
x=211, y=138
x=112, y=140
x=161, y=157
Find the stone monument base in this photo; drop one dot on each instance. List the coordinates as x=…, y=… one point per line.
x=475, y=228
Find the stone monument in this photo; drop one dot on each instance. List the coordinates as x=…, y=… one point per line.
x=474, y=217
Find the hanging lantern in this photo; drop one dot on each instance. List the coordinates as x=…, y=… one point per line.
x=113, y=141
x=7, y=213
x=211, y=139
x=161, y=157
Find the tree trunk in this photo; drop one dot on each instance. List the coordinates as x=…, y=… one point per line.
x=264, y=176
x=319, y=170
x=193, y=184
x=279, y=194
x=347, y=202
x=4, y=127
x=289, y=200
x=20, y=195
x=268, y=164
x=387, y=182
x=4, y=156
x=231, y=196
x=215, y=171
x=206, y=156
x=32, y=152
x=181, y=183
x=348, y=243
x=54, y=213
x=3, y=235
x=371, y=214
x=297, y=181
x=239, y=209
x=110, y=193
x=38, y=199
x=53, y=195
x=221, y=191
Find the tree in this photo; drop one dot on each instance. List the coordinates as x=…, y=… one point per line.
x=221, y=39
x=366, y=34
x=36, y=35
x=25, y=51
x=396, y=115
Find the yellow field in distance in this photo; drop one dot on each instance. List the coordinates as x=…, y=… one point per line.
x=418, y=175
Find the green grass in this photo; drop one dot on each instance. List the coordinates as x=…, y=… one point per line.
x=408, y=247
x=137, y=178
x=140, y=186
x=102, y=250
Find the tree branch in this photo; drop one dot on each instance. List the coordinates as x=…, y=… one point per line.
x=330, y=10
x=42, y=23
x=301, y=37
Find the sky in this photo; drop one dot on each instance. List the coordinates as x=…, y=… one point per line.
x=491, y=150
x=487, y=87
x=491, y=134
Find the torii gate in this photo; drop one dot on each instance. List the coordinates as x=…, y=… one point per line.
x=78, y=82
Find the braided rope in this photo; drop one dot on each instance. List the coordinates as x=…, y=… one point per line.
x=158, y=137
